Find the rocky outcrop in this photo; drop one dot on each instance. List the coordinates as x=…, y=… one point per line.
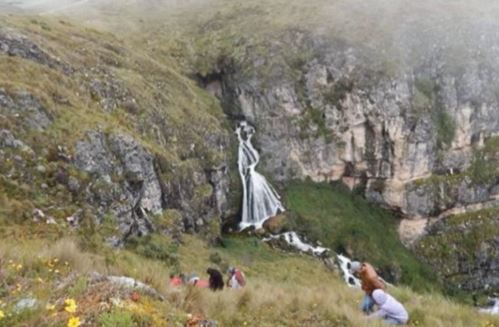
x=124, y=180
x=99, y=136
x=464, y=251
x=25, y=109
x=341, y=114
x=14, y=43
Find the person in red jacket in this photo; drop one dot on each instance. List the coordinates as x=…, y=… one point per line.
x=236, y=278
x=370, y=281
x=175, y=280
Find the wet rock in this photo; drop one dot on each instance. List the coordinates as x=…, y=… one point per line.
x=276, y=224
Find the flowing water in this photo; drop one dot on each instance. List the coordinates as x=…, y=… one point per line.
x=260, y=200
x=492, y=308
x=343, y=262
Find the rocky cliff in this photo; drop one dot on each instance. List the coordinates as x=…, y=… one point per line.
x=93, y=133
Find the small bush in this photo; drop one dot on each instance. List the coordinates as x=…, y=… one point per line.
x=215, y=258
x=155, y=246
x=446, y=128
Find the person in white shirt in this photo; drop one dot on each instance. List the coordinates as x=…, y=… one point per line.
x=389, y=309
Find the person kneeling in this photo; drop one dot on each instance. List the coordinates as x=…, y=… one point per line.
x=389, y=309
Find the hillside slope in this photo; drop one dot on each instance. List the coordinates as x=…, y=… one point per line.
x=284, y=289
x=95, y=129
x=114, y=145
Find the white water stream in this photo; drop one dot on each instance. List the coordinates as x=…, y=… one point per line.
x=493, y=308
x=343, y=262
x=260, y=200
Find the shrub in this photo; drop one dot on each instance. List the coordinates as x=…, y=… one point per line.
x=155, y=246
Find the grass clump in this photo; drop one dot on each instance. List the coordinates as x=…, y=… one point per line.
x=156, y=247
x=115, y=318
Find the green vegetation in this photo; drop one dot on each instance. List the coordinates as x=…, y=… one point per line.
x=446, y=128
x=156, y=247
x=427, y=100
x=439, y=247
x=313, y=119
x=114, y=318
x=338, y=93
x=348, y=223
x=482, y=171
x=284, y=289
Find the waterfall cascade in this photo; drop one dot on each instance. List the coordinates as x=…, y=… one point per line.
x=260, y=200
x=343, y=262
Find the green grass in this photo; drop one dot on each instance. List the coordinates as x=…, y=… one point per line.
x=284, y=289
x=346, y=222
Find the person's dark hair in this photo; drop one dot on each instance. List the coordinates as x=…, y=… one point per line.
x=216, y=281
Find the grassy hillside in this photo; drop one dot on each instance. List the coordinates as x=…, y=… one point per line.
x=283, y=290
x=349, y=224
x=172, y=118
x=87, y=80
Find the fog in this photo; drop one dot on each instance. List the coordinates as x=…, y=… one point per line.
x=402, y=28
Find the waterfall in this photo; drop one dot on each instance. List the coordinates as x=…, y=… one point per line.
x=260, y=200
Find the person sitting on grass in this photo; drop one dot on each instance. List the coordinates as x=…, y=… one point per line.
x=370, y=281
x=236, y=278
x=176, y=280
x=216, y=281
x=389, y=309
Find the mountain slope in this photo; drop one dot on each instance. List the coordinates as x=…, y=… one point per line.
x=92, y=128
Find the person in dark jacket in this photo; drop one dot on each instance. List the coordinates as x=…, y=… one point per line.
x=216, y=281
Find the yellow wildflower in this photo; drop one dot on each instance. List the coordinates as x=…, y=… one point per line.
x=70, y=305
x=50, y=307
x=19, y=267
x=74, y=322
x=56, y=260
x=39, y=280
x=56, y=271
x=2, y=315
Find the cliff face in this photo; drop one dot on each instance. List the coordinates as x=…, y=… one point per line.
x=411, y=140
